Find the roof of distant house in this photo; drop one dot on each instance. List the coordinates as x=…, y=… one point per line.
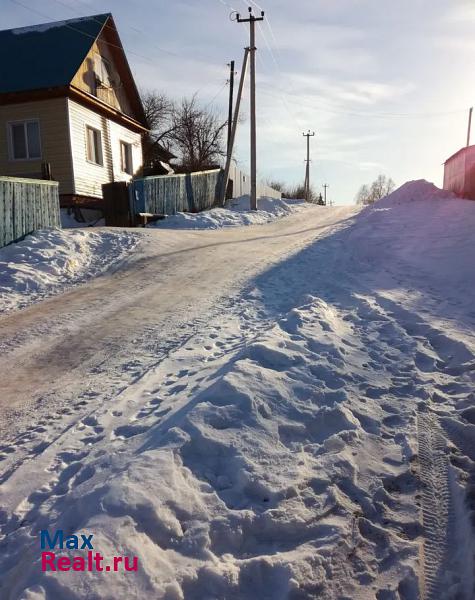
x=48, y=55
x=464, y=150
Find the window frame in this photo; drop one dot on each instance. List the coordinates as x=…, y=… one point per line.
x=100, y=146
x=105, y=65
x=11, y=146
x=123, y=170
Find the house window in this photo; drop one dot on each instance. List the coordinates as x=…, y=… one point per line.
x=94, y=145
x=126, y=165
x=25, y=140
x=103, y=71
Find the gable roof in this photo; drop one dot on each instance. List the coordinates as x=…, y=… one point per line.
x=46, y=56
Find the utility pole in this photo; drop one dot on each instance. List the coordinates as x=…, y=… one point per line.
x=252, y=49
x=308, y=135
x=325, y=186
x=231, y=103
x=234, y=126
x=469, y=125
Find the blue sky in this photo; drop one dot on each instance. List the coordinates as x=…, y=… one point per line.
x=386, y=85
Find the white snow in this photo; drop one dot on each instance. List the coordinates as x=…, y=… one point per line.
x=41, y=28
x=89, y=218
x=307, y=442
x=49, y=261
x=236, y=213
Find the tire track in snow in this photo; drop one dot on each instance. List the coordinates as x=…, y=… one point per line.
x=447, y=531
x=437, y=514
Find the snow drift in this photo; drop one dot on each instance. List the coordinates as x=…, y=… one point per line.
x=48, y=261
x=236, y=213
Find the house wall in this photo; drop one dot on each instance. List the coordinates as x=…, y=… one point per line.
x=54, y=133
x=459, y=173
x=89, y=177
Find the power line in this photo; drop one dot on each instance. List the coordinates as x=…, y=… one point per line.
x=352, y=113
x=137, y=30
x=366, y=114
x=84, y=33
x=220, y=91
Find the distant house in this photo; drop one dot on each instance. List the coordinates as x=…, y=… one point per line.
x=459, y=173
x=69, y=107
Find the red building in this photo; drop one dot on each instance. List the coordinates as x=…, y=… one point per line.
x=459, y=173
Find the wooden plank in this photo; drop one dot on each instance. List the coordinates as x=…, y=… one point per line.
x=27, y=205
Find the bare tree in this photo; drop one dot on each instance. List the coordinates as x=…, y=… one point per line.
x=195, y=134
x=198, y=135
x=381, y=187
x=296, y=192
x=158, y=110
x=157, y=142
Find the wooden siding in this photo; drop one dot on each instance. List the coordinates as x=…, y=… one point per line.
x=122, y=134
x=55, y=146
x=85, y=79
x=26, y=205
x=88, y=176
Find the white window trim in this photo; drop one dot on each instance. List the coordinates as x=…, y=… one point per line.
x=91, y=162
x=23, y=122
x=131, y=157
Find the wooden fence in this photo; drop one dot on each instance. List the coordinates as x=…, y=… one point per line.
x=169, y=194
x=27, y=205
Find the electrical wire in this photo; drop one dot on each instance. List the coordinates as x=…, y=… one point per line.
x=220, y=91
x=281, y=92
x=84, y=33
x=159, y=48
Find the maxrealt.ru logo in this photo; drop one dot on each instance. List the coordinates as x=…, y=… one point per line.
x=92, y=561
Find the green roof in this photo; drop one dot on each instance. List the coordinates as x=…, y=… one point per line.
x=46, y=56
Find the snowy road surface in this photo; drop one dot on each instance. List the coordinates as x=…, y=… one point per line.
x=110, y=331
x=274, y=412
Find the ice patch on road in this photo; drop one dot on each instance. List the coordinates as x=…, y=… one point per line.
x=49, y=261
x=236, y=213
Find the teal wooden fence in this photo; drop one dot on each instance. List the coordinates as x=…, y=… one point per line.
x=27, y=205
x=169, y=194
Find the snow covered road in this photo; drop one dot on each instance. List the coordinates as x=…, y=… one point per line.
x=98, y=338
x=273, y=412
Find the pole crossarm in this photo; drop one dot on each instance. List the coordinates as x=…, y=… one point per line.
x=251, y=17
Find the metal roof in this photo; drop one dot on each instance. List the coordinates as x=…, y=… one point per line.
x=464, y=150
x=48, y=55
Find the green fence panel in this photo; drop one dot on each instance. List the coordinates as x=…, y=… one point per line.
x=25, y=206
x=169, y=194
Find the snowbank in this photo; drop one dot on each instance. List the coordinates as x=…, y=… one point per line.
x=413, y=191
x=425, y=232
x=48, y=261
x=236, y=213
x=250, y=474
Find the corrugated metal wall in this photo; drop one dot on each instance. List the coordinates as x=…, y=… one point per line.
x=459, y=173
x=169, y=194
x=27, y=205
